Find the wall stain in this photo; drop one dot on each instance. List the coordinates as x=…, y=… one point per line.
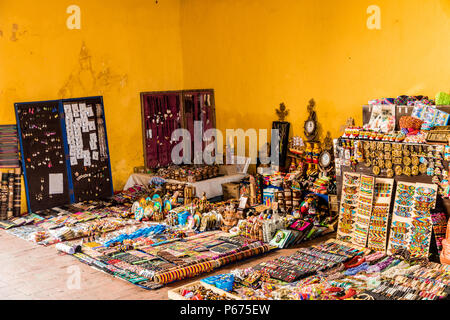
x=15, y=33
x=86, y=80
x=15, y=28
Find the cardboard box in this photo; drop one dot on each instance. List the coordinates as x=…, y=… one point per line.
x=230, y=190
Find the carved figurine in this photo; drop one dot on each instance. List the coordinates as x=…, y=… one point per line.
x=282, y=112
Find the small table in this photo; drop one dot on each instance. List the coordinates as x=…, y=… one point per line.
x=212, y=187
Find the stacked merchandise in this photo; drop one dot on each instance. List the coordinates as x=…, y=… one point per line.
x=9, y=151
x=304, y=196
x=414, y=114
x=70, y=226
x=129, y=196
x=164, y=255
x=363, y=277
x=200, y=291
x=10, y=194
x=10, y=191
x=429, y=281
x=283, y=229
x=266, y=279
x=76, y=221
x=308, y=261
x=189, y=173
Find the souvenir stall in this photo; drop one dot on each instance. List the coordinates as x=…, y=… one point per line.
x=392, y=177
x=148, y=236
x=392, y=186
x=334, y=270
x=383, y=187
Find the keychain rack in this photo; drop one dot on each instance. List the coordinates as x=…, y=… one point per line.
x=50, y=134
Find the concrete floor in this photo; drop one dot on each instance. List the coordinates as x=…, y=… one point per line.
x=29, y=271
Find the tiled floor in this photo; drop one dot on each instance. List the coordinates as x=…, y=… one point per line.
x=29, y=271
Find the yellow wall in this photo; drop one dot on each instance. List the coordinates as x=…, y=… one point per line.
x=258, y=53
x=254, y=53
x=129, y=46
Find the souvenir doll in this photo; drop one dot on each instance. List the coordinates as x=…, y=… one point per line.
x=229, y=218
x=203, y=203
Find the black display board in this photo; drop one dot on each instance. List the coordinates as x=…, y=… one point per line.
x=65, y=152
x=283, y=130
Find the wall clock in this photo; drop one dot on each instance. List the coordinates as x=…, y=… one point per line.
x=326, y=161
x=310, y=126
x=326, y=158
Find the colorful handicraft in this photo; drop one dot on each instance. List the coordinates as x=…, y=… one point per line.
x=349, y=204
x=307, y=261
x=380, y=215
x=411, y=222
x=400, y=218
x=364, y=211
x=421, y=225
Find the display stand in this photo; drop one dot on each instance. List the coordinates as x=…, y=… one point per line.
x=165, y=111
x=65, y=151
x=395, y=167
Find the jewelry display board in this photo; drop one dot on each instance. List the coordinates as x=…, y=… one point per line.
x=379, y=220
x=43, y=156
x=364, y=211
x=57, y=148
x=421, y=222
x=401, y=216
x=165, y=111
x=411, y=226
x=88, y=148
x=348, y=207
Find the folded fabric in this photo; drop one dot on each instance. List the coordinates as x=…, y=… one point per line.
x=401, y=100
x=442, y=99
x=389, y=101
x=404, y=100
x=428, y=102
